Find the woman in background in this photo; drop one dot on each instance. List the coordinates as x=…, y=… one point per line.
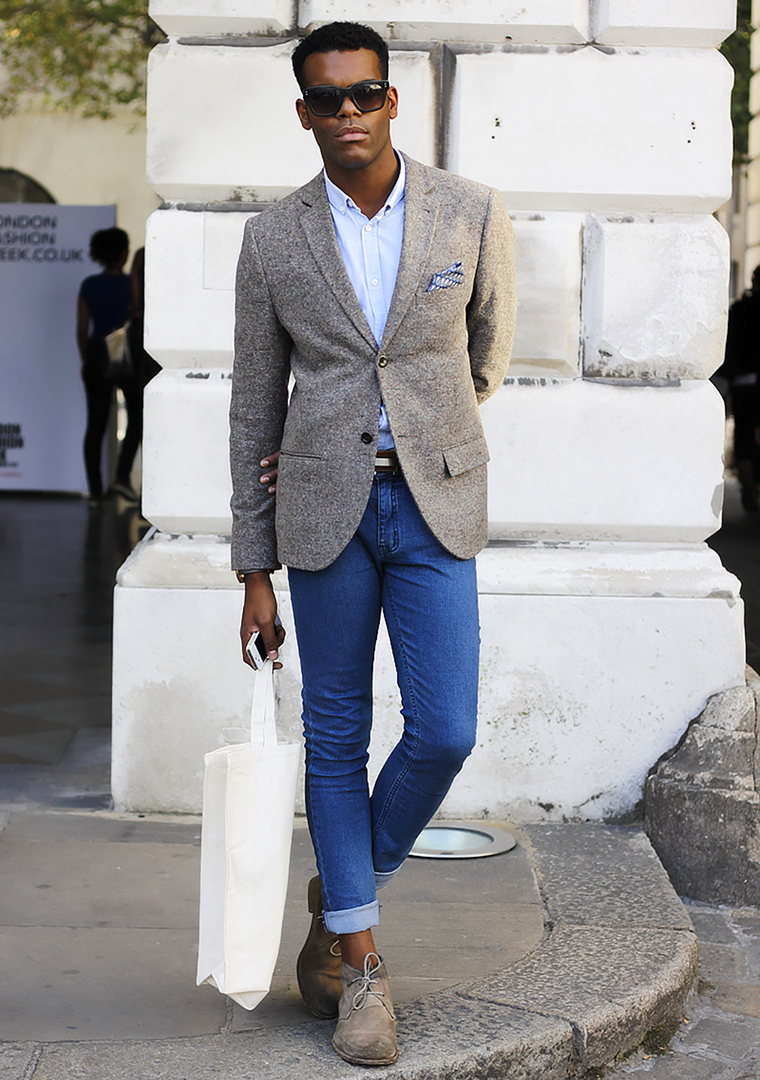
x=104, y=304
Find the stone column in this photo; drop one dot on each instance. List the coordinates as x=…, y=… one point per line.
x=606, y=621
x=752, y=255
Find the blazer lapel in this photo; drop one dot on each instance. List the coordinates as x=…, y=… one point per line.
x=317, y=223
x=420, y=214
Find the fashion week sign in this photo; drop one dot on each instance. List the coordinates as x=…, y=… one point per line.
x=43, y=260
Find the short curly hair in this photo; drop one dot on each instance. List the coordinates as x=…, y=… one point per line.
x=108, y=245
x=339, y=37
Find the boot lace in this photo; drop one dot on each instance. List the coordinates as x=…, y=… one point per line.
x=368, y=979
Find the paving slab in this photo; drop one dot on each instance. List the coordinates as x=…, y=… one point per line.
x=492, y=977
x=113, y=983
x=604, y=875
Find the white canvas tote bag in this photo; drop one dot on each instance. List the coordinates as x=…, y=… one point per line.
x=248, y=804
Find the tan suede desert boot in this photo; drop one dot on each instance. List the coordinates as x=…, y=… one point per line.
x=318, y=964
x=366, y=1031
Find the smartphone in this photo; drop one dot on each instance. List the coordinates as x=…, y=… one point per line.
x=256, y=649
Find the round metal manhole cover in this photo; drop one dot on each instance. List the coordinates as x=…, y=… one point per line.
x=461, y=840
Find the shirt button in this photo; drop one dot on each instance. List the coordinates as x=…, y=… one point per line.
x=366, y=438
x=367, y=228
x=382, y=361
x=374, y=281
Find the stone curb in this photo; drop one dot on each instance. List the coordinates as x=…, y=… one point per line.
x=617, y=961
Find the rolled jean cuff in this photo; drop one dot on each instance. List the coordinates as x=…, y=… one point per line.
x=353, y=920
x=381, y=880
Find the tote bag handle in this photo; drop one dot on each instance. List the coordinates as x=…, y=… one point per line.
x=263, y=726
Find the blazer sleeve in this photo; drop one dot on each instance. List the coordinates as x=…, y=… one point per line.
x=258, y=408
x=492, y=307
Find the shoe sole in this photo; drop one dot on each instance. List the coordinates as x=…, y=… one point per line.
x=364, y=1061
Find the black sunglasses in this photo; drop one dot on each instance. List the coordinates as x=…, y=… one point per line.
x=367, y=96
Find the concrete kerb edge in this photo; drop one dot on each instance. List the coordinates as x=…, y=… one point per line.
x=560, y=1046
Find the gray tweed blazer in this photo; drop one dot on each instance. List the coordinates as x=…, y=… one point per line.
x=445, y=350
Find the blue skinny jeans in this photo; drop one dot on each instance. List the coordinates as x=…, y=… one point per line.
x=429, y=599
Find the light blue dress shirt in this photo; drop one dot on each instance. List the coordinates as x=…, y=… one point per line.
x=371, y=251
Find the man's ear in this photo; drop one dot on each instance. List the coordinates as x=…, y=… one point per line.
x=392, y=102
x=303, y=114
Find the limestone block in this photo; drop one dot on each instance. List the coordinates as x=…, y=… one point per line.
x=579, y=695
x=593, y=461
x=178, y=681
x=752, y=230
x=621, y=130
x=754, y=96
x=697, y=23
x=190, y=277
x=548, y=260
x=753, y=181
x=754, y=137
x=625, y=462
x=212, y=17
x=663, y=323
x=186, y=472
x=754, y=47
x=190, y=264
x=222, y=123
x=546, y=21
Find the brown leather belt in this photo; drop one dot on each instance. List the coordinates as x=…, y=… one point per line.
x=386, y=461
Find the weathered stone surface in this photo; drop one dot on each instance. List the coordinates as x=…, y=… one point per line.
x=702, y=808
x=586, y=975
x=212, y=17
x=708, y=839
x=631, y=130
x=698, y=23
x=497, y=21
x=667, y=325
x=630, y=888
x=16, y=1060
x=714, y=759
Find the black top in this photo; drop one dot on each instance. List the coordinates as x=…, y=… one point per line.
x=109, y=298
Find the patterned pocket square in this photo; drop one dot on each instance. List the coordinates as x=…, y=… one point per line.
x=446, y=279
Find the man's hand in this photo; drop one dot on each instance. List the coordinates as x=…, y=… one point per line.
x=269, y=464
x=259, y=611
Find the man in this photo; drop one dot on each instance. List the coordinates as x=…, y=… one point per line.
x=385, y=289
x=741, y=368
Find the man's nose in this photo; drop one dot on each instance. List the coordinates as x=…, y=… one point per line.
x=347, y=107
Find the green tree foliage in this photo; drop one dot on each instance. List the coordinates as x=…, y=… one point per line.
x=86, y=56
x=736, y=51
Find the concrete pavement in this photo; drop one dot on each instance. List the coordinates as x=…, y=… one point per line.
x=546, y=962
x=540, y=963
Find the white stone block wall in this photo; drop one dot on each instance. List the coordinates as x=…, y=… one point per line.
x=752, y=255
x=606, y=621
x=595, y=129
x=698, y=23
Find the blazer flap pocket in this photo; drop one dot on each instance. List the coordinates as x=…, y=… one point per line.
x=460, y=459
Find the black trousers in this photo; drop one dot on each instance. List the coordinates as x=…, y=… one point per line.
x=99, y=392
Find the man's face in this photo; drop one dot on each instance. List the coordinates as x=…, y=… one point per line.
x=351, y=139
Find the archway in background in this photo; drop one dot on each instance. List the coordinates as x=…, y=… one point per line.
x=16, y=187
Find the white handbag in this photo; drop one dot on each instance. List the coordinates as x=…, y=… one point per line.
x=248, y=805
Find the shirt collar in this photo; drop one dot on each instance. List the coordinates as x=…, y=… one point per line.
x=342, y=202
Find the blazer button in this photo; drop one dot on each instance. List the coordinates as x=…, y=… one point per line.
x=366, y=438
x=382, y=361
